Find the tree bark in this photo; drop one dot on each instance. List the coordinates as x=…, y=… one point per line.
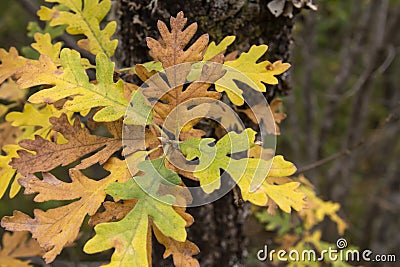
x=219, y=228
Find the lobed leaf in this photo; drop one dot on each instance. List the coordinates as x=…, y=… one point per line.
x=56, y=228
x=72, y=81
x=81, y=19
x=48, y=155
x=16, y=246
x=170, y=51
x=131, y=236
x=11, y=63
x=256, y=73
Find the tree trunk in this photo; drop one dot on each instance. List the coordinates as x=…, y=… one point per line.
x=219, y=227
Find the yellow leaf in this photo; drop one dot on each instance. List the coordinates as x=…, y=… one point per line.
x=84, y=17
x=318, y=209
x=213, y=49
x=252, y=73
x=7, y=172
x=34, y=119
x=44, y=46
x=285, y=195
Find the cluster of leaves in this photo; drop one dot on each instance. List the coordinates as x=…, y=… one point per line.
x=60, y=125
x=300, y=233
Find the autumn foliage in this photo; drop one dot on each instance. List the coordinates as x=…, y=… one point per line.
x=74, y=122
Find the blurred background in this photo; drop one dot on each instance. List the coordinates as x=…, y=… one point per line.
x=342, y=129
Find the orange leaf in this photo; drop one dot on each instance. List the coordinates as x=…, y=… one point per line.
x=18, y=246
x=170, y=51
x=56, y=228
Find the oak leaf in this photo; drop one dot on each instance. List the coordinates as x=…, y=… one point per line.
x=131, y=236
x=214, y=50
x=72, y=81
x=58, y=227
x=170, y=51
x=11, y=63
x=182, y=252
x=273, y=187
x=81, y=19
x=49, y=155
x=10, y=91
x=272, y=127
x=35, y=120
x=318, y=209
x=18, y=246
x=7, y=173
x=252, y=73
x=44, y=46
x=214, y=158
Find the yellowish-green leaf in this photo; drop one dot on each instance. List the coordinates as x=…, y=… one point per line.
x=130, y=236
x=72, y=80
x=318, y=209
x=34, y=119
x=213, y=49
x=44, y=46
x=214, y=158
x=247, y=171
x=84, y=17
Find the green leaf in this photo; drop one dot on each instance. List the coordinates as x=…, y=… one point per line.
x=129, y=236
x=139, y=112
x=72, y=80
x=280, y=222
x=214, y=158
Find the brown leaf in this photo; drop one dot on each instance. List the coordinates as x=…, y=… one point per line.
x=8, y=133
x=114, y=211
x=272, y=126
x=18, y=245
x=169, y=51
x=56, y=228
x=182, y=252
x=80, y=143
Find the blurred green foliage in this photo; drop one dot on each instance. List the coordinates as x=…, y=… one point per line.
x=13, y=23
